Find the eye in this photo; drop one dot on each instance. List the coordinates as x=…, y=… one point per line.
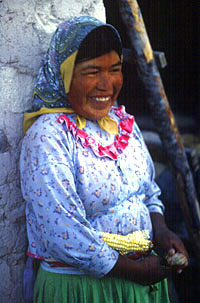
x=116, y=69
x=90, y=73
x=93, y=73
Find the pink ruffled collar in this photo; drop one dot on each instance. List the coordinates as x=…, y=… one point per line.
x=113, y=150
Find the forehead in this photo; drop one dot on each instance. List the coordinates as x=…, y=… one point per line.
x=107, y=60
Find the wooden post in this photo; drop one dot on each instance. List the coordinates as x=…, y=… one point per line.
x=163, y=117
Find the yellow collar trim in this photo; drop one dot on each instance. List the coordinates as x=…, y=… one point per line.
x=106, y=123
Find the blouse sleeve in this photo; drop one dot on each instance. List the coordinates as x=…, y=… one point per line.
x=57, y=224
x=151, y=189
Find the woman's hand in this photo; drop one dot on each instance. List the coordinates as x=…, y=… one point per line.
x=147, y=271
x=167, y=242
x=150, y=271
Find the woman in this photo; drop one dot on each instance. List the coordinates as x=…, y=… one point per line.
x=85, y=170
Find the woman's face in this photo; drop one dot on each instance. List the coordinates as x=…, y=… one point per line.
x=95, y=86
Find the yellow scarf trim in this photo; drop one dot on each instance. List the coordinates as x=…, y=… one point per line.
x=106, y=123
x=66, y=70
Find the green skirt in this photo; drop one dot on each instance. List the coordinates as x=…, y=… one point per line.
x=61, y=288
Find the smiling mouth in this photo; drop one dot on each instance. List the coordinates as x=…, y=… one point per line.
x=101, y=99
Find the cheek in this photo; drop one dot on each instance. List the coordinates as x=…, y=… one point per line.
x=85, y=87
x=76, y=92
x=119, y=83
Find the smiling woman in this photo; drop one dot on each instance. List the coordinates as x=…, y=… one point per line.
x=95, y=86
x=88, y=179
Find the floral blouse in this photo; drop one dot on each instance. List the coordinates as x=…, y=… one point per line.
x=78, y=183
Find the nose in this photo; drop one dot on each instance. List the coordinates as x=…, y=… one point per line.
x=105, y=82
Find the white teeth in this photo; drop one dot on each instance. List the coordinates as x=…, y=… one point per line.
x=103, y=99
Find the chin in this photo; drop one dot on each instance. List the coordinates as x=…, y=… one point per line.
x=97, y=117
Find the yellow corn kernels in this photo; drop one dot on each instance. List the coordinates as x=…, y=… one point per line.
x=134, y=242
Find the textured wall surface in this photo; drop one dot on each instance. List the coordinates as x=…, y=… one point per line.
x=25, y=30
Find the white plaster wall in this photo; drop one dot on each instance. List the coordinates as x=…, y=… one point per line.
x=26, y=27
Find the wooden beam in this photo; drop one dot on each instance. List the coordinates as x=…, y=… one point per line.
x=159, y=57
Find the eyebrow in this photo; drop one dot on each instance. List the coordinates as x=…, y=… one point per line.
x=93, y=66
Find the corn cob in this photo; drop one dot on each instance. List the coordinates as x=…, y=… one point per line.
x=177, y=259
x=134, y=242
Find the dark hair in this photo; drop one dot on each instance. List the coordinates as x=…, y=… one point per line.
x=99, y=41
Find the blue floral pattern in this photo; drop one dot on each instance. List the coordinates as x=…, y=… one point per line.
x=72, y=194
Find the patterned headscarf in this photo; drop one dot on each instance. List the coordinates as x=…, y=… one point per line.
x=55, y=74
